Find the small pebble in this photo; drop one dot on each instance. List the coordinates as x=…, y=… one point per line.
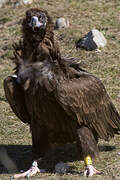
x=62, y=167
x=62, y=23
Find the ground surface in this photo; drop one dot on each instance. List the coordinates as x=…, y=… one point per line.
x=83, y=15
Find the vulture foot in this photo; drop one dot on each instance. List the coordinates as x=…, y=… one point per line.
x=32, y=171
x=90, y=171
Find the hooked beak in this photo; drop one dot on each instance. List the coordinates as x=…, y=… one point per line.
x=35, y=22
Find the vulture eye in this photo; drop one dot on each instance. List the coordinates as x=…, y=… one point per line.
x=41, y=18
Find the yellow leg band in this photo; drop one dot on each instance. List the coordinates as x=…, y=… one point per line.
x=88, y=160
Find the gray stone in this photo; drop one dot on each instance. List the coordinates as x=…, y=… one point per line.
x=26, y=2
x=3, y=2
x=93, y=40
x=61, y=167
x=62, y=23
x=18, y=3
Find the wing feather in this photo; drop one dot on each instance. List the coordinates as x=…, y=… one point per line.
x=86, y=100
x=15, y=98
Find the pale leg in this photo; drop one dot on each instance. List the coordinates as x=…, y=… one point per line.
x=32, y=171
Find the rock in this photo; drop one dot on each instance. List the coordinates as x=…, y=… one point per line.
x=62, y=23
x=93, y=40
x=27, y=2
x=61, y=168
x=22, y=2
x=3, y=2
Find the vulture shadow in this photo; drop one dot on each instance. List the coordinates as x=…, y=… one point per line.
x=14, y=158
x=3, y=99
x=106, y=148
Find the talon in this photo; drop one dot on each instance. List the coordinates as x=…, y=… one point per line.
x=90, y=171
x=33, y=171
x=11, y=177
x=27, y=174
x=14, y=76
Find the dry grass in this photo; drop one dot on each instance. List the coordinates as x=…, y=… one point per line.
x=83, y=15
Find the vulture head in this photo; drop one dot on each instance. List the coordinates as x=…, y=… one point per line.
x=36, y=23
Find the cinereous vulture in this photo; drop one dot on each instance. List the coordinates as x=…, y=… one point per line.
x=61, y=102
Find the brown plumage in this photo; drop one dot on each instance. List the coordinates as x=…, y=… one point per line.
x=60, y=101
